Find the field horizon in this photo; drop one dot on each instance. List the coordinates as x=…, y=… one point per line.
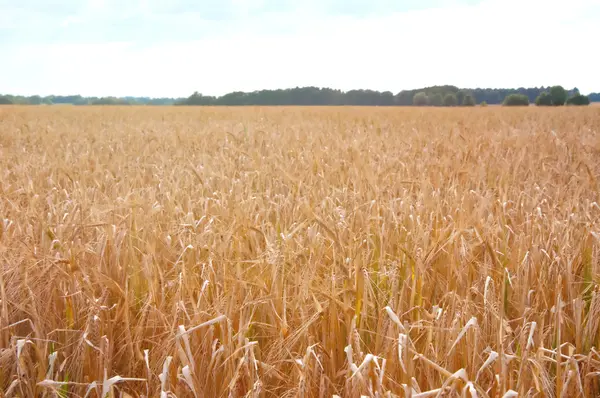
x=299, y=251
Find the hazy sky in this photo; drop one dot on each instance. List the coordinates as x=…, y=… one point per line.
x=174, y=47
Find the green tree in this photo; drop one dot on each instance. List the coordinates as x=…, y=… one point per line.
x=34, y=100
x=4, y=100
x=516, y=100
x=559, y=95
x=544, y=99
x=420, y=99
x=436, y=100
x=109, y=101
x=468, y=100
x=450, y=100
x=578, y=99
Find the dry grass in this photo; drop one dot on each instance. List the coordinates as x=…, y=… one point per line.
x=299, y=252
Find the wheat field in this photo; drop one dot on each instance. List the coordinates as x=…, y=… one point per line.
x=299, y=252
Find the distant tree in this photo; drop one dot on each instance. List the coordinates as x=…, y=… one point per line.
x=420, y=99
x=544, y=99
x=82, y=101
x=436, y=100
x=314, y=96
x=578, y=99
x=483, y=103
x=109, y=101
x=497, y=95
x=4, y=100
x=450, y=100
x=34, y=100
x=559, y=95
x=386, y=98
x=197, y=99
x=468, y=100
x=516, y=100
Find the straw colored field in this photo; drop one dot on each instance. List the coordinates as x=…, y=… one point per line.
x=299, y=251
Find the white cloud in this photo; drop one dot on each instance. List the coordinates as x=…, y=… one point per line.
x=496, y=43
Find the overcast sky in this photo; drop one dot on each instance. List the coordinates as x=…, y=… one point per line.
x=174, y=47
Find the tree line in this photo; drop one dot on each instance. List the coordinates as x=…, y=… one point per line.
x=594, y=97
x=80, y=100
x=429, y=96
x=554, y=96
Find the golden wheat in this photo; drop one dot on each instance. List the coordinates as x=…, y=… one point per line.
x=262, y=252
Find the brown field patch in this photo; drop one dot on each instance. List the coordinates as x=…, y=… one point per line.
x=299, y=251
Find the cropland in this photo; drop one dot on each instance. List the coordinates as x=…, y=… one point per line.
x=299, y=251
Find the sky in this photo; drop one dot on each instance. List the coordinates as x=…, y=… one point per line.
x=171, y=48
